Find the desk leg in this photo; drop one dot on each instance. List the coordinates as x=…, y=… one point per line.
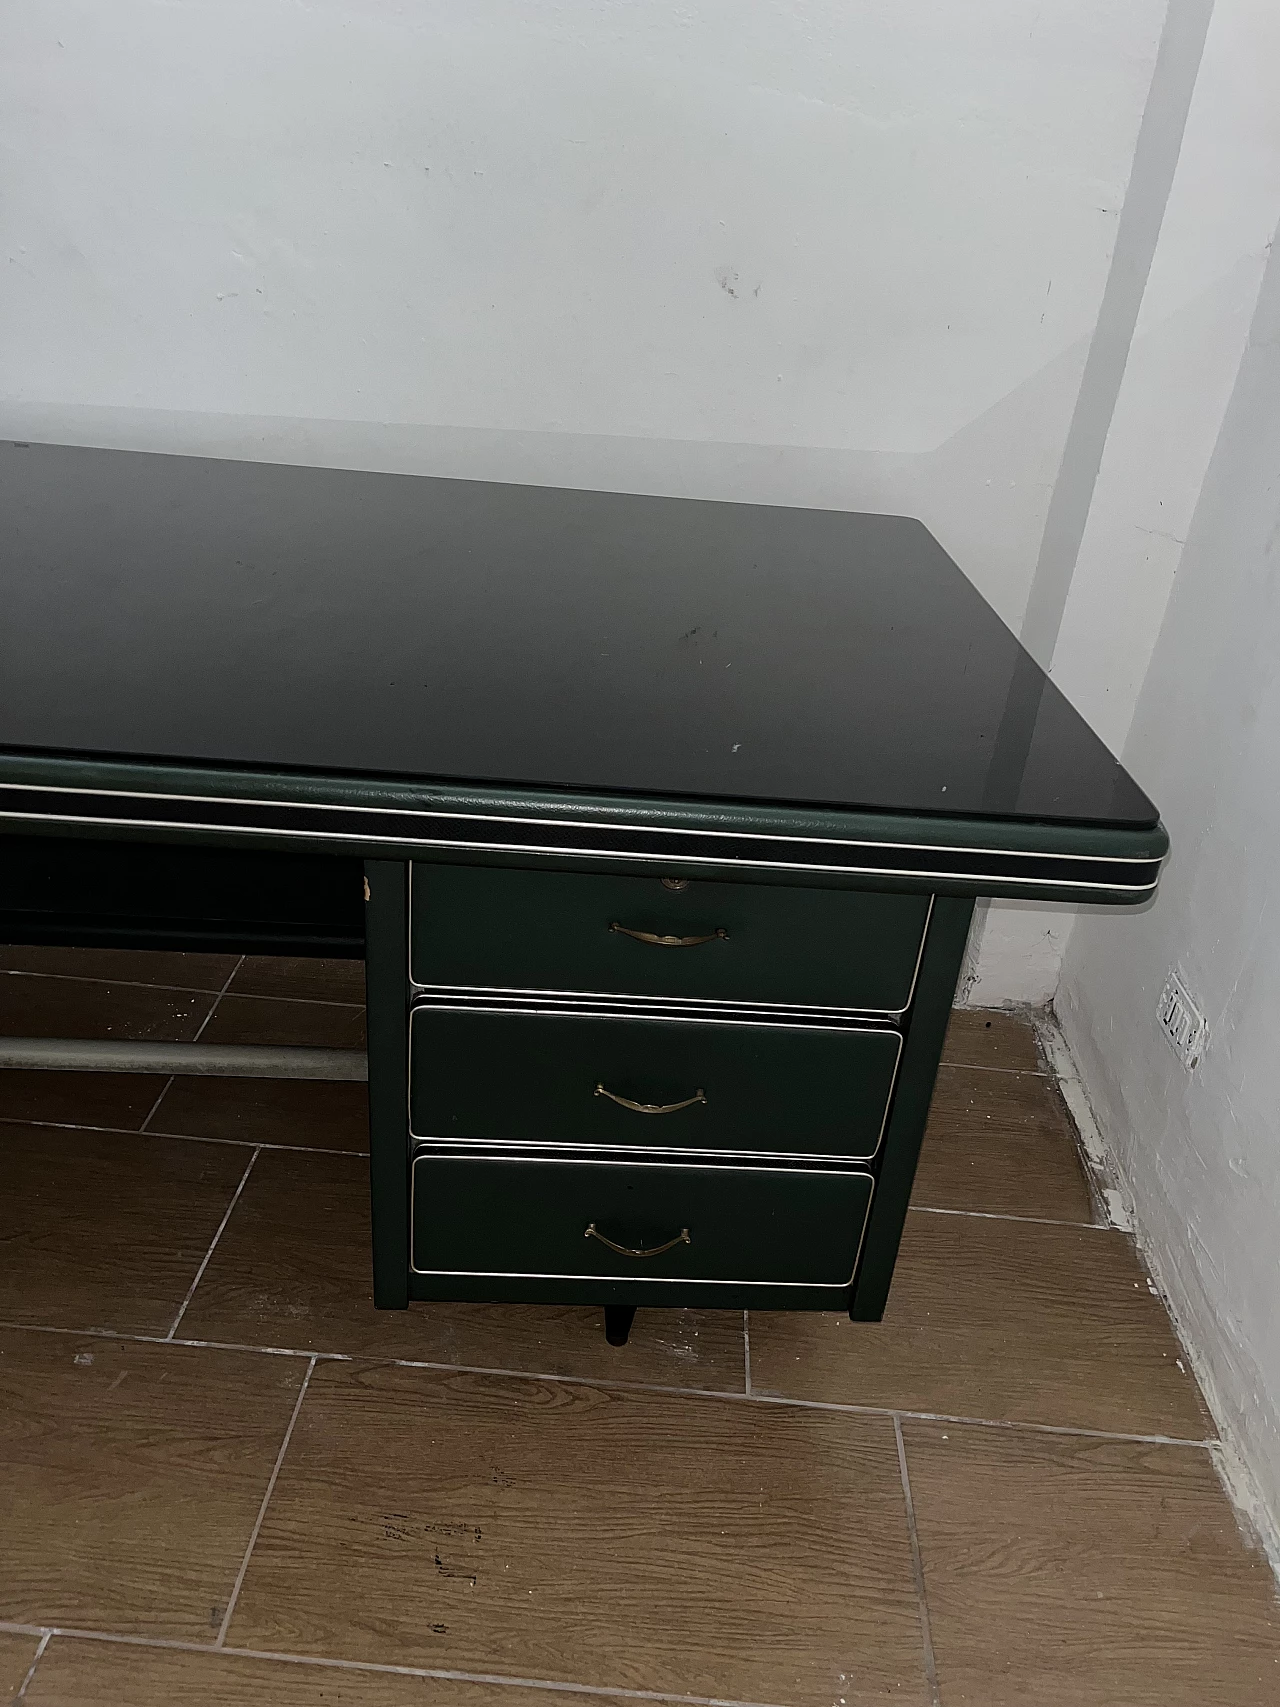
x=387, y=998
x=926, y=1030
x=617, y=1323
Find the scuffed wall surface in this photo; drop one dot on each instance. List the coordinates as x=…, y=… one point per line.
x=1196, y=309
x=1200, y=1152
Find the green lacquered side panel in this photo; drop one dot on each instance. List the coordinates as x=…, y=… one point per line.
x=386, y=974
x=531, y=1078
x=926, y=1029
x=476, y=1216
x=483, y=927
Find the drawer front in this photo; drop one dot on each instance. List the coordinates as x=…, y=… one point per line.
x=483, y=927
x=649, y=1084
x=576, y=1220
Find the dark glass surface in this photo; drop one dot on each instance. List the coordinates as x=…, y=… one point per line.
x=301, y=618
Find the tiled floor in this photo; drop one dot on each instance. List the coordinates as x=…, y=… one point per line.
x=226, y=1481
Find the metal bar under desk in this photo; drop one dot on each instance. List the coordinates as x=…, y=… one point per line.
x=227, y=1060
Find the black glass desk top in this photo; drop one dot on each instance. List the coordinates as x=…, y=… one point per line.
x=303, y=619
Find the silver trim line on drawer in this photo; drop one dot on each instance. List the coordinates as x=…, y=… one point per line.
x=634, y=1280
x=664, y=1007
x=674, y=1001
x=551, y=1150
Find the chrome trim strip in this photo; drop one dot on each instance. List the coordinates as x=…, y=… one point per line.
x=643, y=1280
x=551, y=1145
x=739, y=861
x=915, y=971
x=518, y=818
x=979, y=879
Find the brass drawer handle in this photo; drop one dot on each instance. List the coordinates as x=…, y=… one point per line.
x=681, y=1238
x=669, y=941
x=651, y=1107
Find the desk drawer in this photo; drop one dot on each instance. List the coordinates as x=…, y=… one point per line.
x=611, y=1220
x=571, y=1079
x=483, y=927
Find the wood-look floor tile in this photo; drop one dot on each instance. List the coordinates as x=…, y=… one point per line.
x=118, y=1100
x=106, y=1674
x=303, y=977
x=74, y=1007
x=1001, y=1143
x=305, y=1112
x=1009, y=1320
x=266, y=1020
x=590, y=1535
x=16, y=1655
x=131, y=1477
x=293, y=1268
x=1087, y=1573
x=106, y=1230
x=125, y=965
x=989, y=1037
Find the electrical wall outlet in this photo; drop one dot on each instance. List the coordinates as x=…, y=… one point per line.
x=1182, y=1022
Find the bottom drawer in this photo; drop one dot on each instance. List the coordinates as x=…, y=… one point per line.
x=573, y=1220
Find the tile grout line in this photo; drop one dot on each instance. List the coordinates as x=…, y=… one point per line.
x=746, y=1352
x=120, y=1639
x=262, y=1509
x=254, y=1143
x=196, y=1345
x=326, y=1150
x=917, y=1567
x=184, y=989
x=1020, y=1072
x=217, y=999
x=199, y=1274
x=362, y=1155
x=164, y=1091
x=994, y=1215
x=607, y=1384
x=1072, y=1430
x=31, y=1669
x=187, y=1137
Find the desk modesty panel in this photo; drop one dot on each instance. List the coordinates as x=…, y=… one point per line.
x=658, y=821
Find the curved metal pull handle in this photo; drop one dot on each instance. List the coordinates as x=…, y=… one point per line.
x=669, y=941
x=681, y=1238
x=650, y=1107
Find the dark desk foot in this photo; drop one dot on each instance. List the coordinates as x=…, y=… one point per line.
x=617, y=1322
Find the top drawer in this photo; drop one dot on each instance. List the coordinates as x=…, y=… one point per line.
x=494, y=928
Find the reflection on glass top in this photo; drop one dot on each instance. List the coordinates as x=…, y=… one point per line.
x=302, y=618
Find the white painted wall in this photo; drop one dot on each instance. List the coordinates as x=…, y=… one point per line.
x=1201, y=1152
x=1195, y=312
x=1175, y=608
x=786, y=249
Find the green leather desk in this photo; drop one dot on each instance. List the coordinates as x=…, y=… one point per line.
x=658, y=822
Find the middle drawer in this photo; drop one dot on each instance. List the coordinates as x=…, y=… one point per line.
x=596, y=1081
